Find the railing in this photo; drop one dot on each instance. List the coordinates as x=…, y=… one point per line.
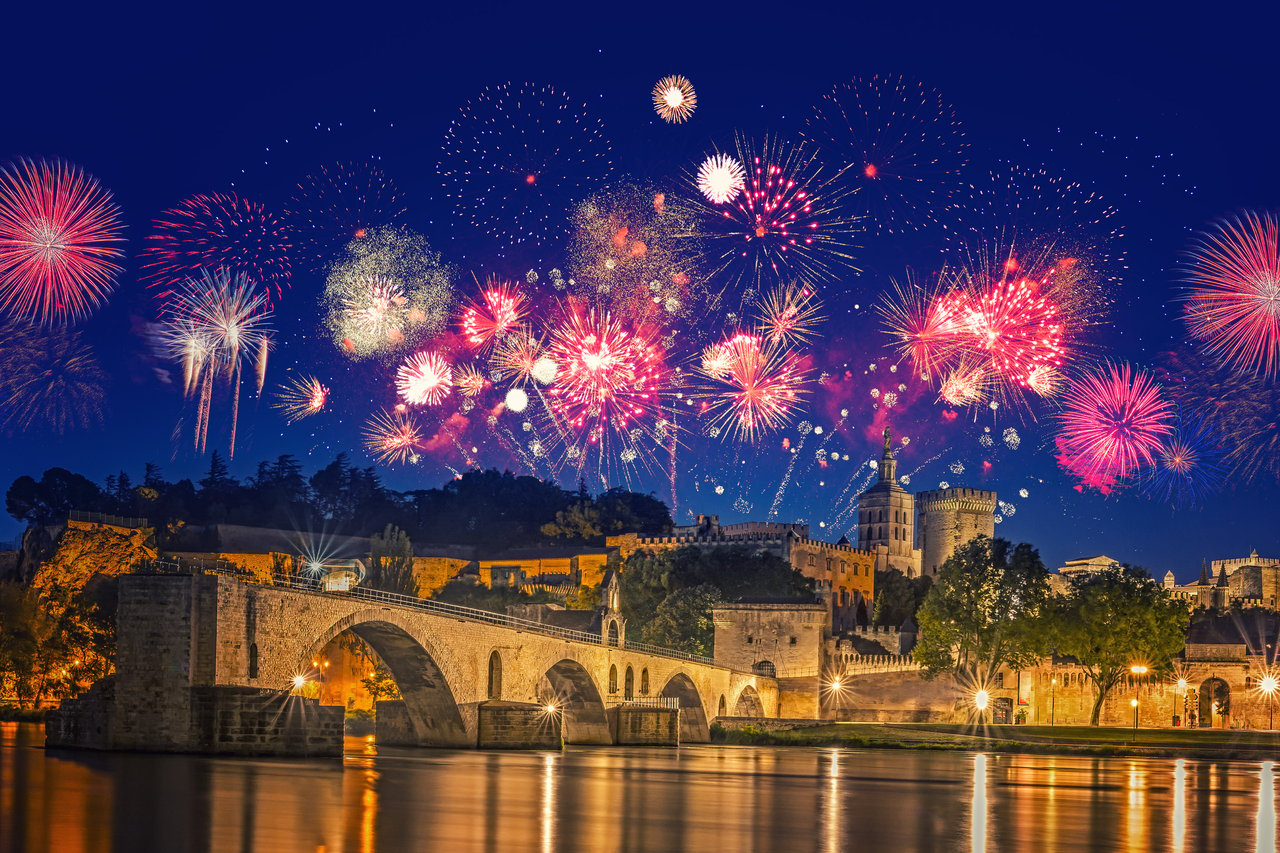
x=303, y=583
x=652, y=701
x=101, y=518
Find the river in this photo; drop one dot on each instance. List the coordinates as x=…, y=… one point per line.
x=703, y=798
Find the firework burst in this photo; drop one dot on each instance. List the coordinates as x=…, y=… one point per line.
x=469, y=381
x=213, y=326
x=751, y=386
x=50, y=382
x=788, y=220
x=520, y=357
x=393, y=437
x=339, y=203
x=60, y=236
x=789, y=314
x=500, y=308
x=1188, y=468
x=301, y=397
x=1113, y=423
x=904, y=146
x=219, y=231
x=1233, y=303
x=721, y=178
x=518, y=157
x=424, y=379
x=674, y=99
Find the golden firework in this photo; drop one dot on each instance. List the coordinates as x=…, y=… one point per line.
x=674, y=98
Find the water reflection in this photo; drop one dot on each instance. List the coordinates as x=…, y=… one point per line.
x=692, y=798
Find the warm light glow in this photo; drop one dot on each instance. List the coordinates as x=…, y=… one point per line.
x=1182, y=684
x=1138, y=669
x=299, y=680
x=836, y=684
x=1268, y=684
x=550, y=708
x=1133, y=703
x=980, y=700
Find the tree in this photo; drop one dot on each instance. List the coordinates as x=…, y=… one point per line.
x=58, y=492
x=391, y=562
x=1113, y=619
x=579, y=521
x=985, y=611
x=898, y=596
x=683, y=621
x=380, y=684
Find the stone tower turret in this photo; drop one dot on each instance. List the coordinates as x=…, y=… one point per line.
x=886, y=518
x=948, y=518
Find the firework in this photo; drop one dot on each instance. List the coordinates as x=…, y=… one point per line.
x=301, y=397
x=752, y=386
x=48, y=382
x=789, y=314
x=339, y=203
x=59, y=241
x=1112, y=424
x=721, y=178
x=674, y=99
x=218, y=231
x=392, y=437
x=387, y=291
x=925, y=324
x=469, y=381
x=1233, y=302
x=964, y=386
x=904, y=147
x=499, y=309
x=213, y=326
x=788, y=220
x=424, y=379
x=518, y=157
x=1188, y=468
x=516, y=357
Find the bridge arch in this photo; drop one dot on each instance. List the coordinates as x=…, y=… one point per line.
x=572, y=689
x=693, y=715
x=748, y=703
x=415, y=664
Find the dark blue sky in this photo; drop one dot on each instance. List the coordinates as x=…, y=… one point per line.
x=1169, y=115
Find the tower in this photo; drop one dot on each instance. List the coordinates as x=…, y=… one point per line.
x=948, y=518
x=886, y=519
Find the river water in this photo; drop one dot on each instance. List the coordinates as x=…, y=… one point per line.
x=703, y=798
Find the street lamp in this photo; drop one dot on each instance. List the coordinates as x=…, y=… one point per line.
x=980, y=700
x=1053, y=699
x=1268, y=686
x=1136, y=669
x=1134, y=703
x=1182, y=691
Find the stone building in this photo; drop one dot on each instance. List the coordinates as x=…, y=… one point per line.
x=886, y=519
x=845, y=575
x=1244, y=582
x=947, y=519
x=779, y=639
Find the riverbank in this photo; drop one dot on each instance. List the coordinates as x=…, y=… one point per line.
x=1066, y=740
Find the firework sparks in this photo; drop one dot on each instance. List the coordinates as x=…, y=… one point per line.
x=339, y=203
x=219, y=231
x=48, y=382
x=499, y=309
x=752, y=386
x=392, y=437
x=1188, y=468
x=523, y=153
x=904, y=145
x=424, y=379
x=59, y=241
x=1112, y=424
x=789, y=314
x=213, y=326
x=674, y=99
x=469, y=381
x=721, y=178
x=301, y=397
x=517, y=355
x=1233, y=302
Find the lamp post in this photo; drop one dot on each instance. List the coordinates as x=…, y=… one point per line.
x=1053, y=699
x=1136, y=669
x=1134, y=703
x=1268, y=686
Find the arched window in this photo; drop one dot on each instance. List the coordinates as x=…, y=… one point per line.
x=765, y=667
x=644, y=681
x=613, y=634
x=629, y=684
x=813, y=561
x=722, y=707
x=495, y=675
x=613, y=679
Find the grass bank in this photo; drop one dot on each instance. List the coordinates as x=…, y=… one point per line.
x=1065, y=740
x=14, y=714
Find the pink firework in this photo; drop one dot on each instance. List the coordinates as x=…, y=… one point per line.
x=469, y=381
x=1112, y=424
x=60, y=237
x=424, y=379
x=499, y=309
x=608, y=377
x=217, y=231
x=753, y=386
x=393, y=437
x=1015, y=326
x=926, y=326
x=1234, y=299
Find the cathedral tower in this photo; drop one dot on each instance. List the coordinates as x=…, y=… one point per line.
x=886, y=519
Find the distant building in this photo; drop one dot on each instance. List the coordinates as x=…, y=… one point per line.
x=1243, y=582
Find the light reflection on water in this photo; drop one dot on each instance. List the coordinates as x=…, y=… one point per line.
x=695, y=798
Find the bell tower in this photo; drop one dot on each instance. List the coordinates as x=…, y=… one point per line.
x=886, y=518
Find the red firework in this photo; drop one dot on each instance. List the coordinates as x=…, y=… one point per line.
x=608, y=378
x=393, y=437
x=1112, y=424
x=217, y=231
x=59, y=241
x=1016, y=327
x=753, y=385
x=1234, y=299
x=424, y=379
x=500, y=309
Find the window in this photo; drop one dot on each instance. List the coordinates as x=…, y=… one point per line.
x=813, y=561
x=750, y=639
x=613, y=679
x=843, y=566
x=644, y=681
x=628, y=685
x=495, y=676
x=253, y=660
x=829, y=565
x=793, y=641
x=766, y=668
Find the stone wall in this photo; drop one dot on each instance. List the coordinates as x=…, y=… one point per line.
x=788, y=636
x=895, y=697
x=647, y=726
x=948, y=518
x=510, y=725
x=245, y=721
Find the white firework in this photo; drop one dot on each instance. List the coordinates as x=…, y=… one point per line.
x=720, y=178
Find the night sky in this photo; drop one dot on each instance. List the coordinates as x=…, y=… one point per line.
x=1169, y=118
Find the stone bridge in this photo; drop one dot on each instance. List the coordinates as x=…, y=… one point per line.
x=183, y=639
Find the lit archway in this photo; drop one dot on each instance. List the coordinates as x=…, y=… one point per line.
x=571, y=689
x=693, y=716
x=748, y=704
x=1215, y=703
